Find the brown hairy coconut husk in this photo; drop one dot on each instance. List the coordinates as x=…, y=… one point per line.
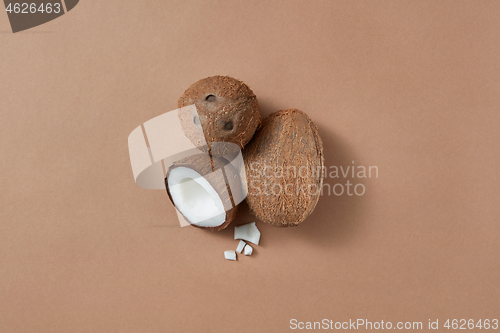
x=284, y=165
x=228, y=111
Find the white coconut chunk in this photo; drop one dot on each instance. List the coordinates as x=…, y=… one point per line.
x=248, y=250
x=230, y=255
x=195, y=198
x=240, y=247
x=248, y=232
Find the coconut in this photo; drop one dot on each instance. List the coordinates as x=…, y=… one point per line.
x=284, y=166
x=201, y=188
x=227, y=111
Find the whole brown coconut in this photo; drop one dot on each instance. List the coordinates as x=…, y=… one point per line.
x=228, y=111
x=284, y=165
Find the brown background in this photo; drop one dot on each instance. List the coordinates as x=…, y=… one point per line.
x=409, y=86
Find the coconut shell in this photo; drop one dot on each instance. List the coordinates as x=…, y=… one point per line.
x=284, y=165
x=204, y=165
x=227, y=108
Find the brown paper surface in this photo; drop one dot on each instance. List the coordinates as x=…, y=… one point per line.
x=410, y=88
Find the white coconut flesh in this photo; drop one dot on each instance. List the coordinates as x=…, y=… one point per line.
x=195, y=198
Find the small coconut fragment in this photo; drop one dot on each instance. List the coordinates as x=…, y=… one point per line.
x=230, y=255
x=240, y=247
x=248, y=250
x=227, y=111
x=248, y=232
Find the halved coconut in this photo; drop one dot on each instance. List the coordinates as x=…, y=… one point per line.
x=201, y=189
